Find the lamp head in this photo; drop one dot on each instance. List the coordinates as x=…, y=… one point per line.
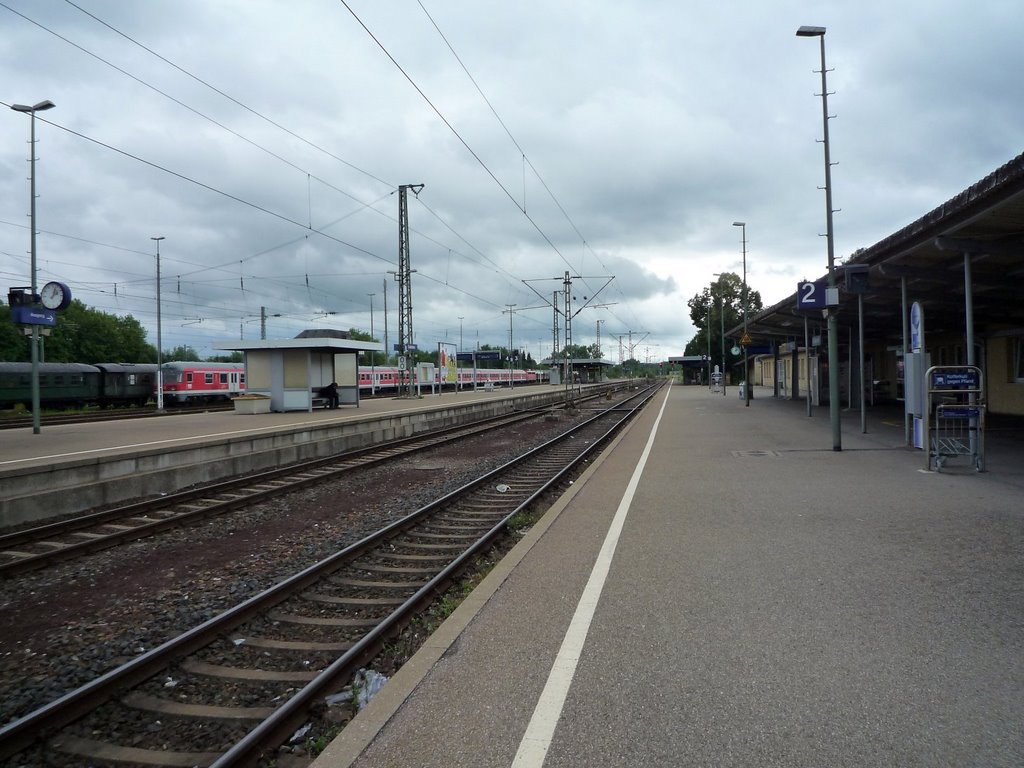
x=810, y=32
x=40, y=107
x=739, y=223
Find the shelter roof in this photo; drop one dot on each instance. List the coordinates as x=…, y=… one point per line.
x=321, y=344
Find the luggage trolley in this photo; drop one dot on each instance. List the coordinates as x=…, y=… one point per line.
x=955, y=397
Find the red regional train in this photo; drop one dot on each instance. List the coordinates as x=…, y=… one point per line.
x=190, y=382
x=386, y=378
x=195, y=381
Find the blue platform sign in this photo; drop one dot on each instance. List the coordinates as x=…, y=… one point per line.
x=470, y=356
x=810, y=295
x=33, y=316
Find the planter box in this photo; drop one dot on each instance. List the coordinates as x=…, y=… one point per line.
x=252, y=404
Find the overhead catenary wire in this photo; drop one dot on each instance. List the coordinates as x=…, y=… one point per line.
x=217, y=123
x=209, y=187
x=515, y=142
x=245, y=284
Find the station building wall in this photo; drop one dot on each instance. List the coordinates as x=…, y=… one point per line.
x=1005, y=374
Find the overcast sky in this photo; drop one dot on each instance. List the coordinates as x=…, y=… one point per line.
x=265, y=141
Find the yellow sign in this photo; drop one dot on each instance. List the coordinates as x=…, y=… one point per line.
x=745, y=339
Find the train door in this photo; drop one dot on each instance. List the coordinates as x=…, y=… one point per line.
x=233, y=383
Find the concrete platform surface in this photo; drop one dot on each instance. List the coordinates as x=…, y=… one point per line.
x=724, y=589
x=74, y=442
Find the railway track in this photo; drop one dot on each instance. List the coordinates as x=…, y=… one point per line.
x=231, y=690
x=42, y=546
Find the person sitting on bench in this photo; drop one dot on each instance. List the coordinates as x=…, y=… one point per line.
x=331, y=393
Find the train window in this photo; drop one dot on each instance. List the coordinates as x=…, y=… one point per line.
x=223, y=378
x=58, y=380
x=131, y=378
x=76, y=379
x=208, y=378
x=241, y=377
x=188, y=377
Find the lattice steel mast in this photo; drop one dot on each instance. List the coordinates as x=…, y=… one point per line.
x=404, y=278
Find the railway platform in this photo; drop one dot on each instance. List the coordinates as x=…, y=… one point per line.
x=68, y=468
x=722, y=588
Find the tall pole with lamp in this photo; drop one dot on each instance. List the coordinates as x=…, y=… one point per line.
x=707, y=329
x=746, y=339
x=721, y=318
x=833, y=321
x=510, y=311
x=31, y=111
x=373, y=362
x=458, y=376
x=159, y=338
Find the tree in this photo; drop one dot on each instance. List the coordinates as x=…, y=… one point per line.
x=181, y=352
x=576, y=352
x=81, y=335
x=233, y=357
x=369, y=358
x=718, y=305
x=13, y=343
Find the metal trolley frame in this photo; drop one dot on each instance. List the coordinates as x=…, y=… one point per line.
x=956, y=398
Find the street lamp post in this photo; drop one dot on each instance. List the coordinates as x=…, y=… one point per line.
x=373, y=364
x=457, y=375
x=833, y=321
x=721, y=317
x=745, y=339
x=31, y=111
x=510, y=311
x=707, y=328
x=160, y=341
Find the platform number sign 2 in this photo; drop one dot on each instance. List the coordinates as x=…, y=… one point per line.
x=815, y=295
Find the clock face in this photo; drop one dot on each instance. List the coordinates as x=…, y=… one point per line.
x=55, y=296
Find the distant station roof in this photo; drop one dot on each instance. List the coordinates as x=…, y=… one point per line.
x=689, y=361
x=577, y=362
x=985, y=221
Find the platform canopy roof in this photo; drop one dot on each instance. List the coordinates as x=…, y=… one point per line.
x=986, y=220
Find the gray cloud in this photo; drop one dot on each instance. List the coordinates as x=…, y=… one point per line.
x=654, y=125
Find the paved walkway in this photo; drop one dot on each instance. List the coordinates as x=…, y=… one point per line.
x=741, y=595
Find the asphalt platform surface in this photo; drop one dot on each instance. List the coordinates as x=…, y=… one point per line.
x=758, y=600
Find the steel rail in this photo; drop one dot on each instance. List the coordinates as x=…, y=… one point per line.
x=289, y=716
x=48, y=719
x=346, y=461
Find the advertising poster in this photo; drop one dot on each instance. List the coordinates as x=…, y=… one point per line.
x=447, y=363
